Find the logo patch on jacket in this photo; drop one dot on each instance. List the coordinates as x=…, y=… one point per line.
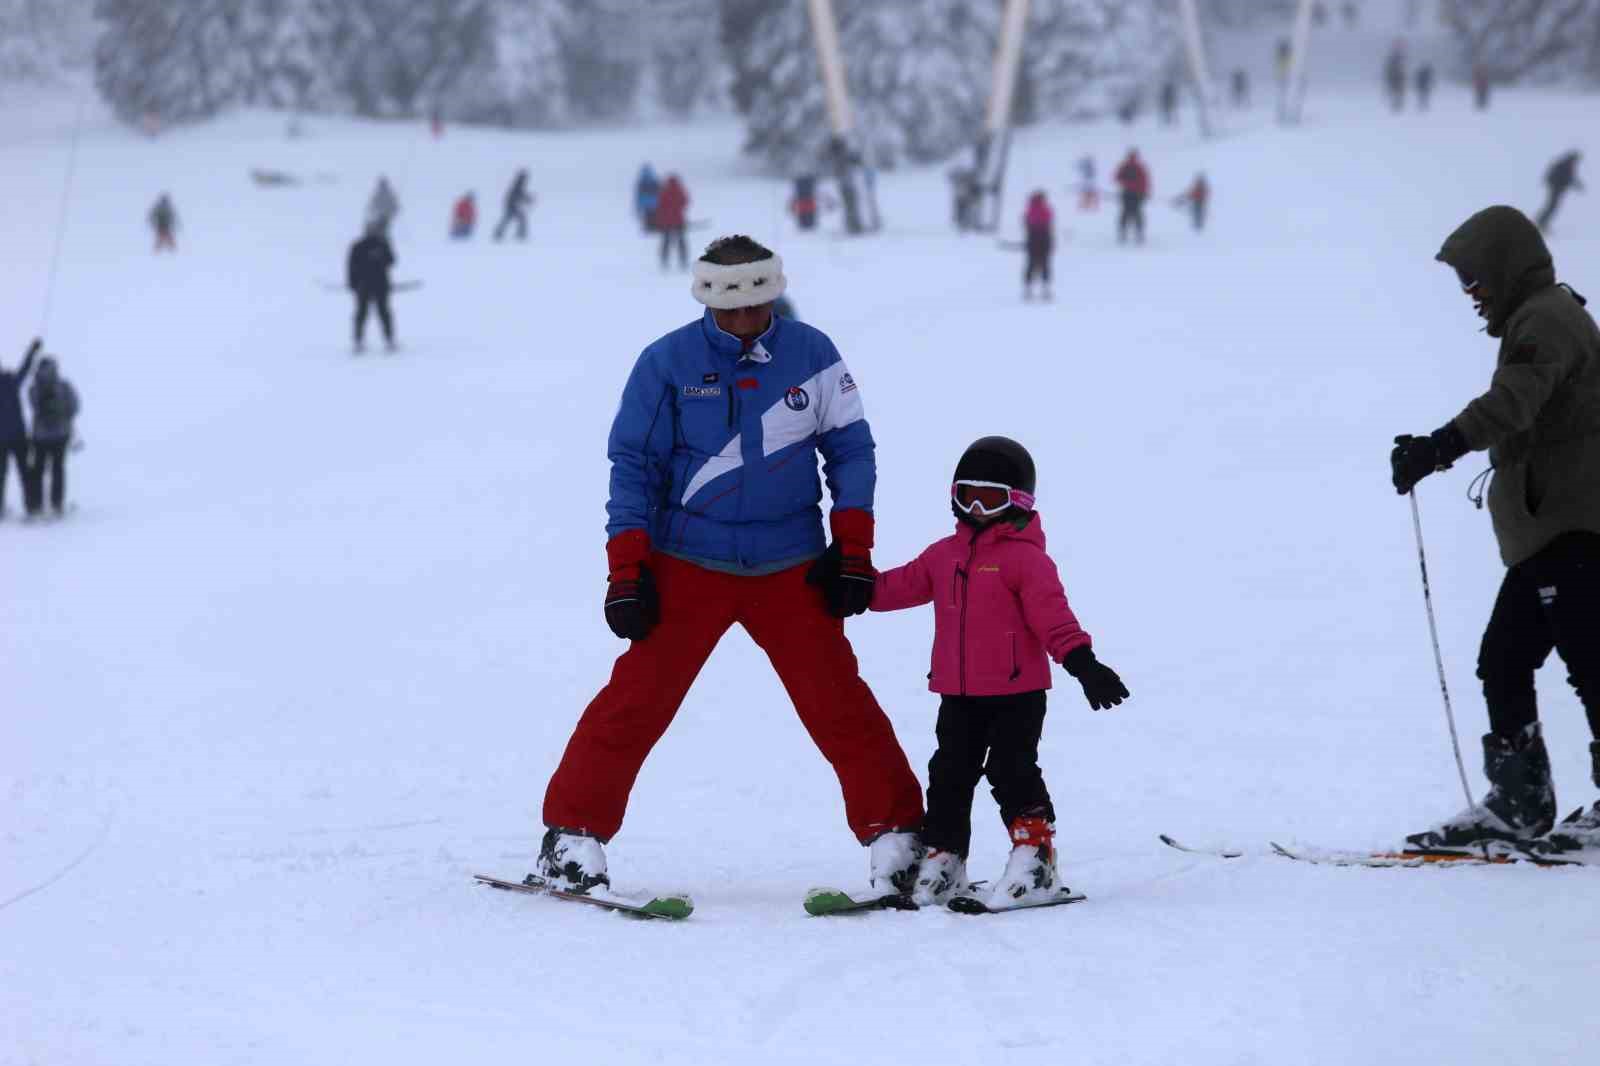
x=700, y=392
x=796, y=399
x=847, y=384
x=709, y=379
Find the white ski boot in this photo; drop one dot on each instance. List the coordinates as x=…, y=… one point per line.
x=1031, y=876
x=893, y=859
x=572, y=861
x=942, y=874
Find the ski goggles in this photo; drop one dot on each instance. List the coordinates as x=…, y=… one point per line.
x=988, y=497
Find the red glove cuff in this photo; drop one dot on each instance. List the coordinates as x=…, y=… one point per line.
x=626, y=551
x=852, y=527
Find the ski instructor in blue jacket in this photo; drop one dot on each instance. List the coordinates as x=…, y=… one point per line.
x=715, y=519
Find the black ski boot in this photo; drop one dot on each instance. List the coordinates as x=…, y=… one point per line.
x=1580, y=830
x=1520, y=804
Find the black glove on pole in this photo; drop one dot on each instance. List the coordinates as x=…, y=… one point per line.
x=846, y=580
x=1101, y=685
x=1414, y=458
x=632, y=608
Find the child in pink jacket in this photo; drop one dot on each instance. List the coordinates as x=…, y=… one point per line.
x=1000, y=617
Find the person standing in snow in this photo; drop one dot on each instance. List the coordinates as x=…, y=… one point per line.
x=672, y=219
x=383, y=206
x=1169, y=102
x=1195, y=198
x=55, y=408
x=1000, y=618
x=714, y=520
x=1540, y=421
x=367, y=276
x=518, y=199
x=1039, y=225
x=164, y=220
x=1394, y=76
x=803, y=204
x=1480, y=87
x=1134, y=181
x=14, y=432
x=1559, y=179
x=464, y=217
x=646, y=192
x=1239, y=83
x=1088, y=186
x=1424, y=86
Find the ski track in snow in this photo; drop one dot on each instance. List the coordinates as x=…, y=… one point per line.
x=322, y=625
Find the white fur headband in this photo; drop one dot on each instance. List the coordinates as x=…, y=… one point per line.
x=740, y=285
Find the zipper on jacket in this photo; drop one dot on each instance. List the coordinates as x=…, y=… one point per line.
x=966, y=589
x=731, y=390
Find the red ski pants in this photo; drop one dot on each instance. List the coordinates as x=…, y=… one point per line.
x=808, y=649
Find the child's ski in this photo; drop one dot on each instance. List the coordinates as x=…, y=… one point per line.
x=974, y=905
x=1221, y=853
x=672, y=908
x=827, y=902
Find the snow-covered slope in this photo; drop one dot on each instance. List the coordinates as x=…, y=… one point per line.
x=309, y=648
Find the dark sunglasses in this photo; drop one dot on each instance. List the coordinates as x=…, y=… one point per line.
x=1468, y=284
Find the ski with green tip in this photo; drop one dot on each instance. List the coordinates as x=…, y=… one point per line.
x=669, y=908
x=828, y=902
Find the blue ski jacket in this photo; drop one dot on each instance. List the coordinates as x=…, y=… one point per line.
x=713, y=451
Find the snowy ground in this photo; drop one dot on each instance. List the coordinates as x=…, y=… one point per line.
x=307, y=652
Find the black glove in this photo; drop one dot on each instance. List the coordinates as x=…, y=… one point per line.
x=1101, y=685
x=846, y=579
x=632, y=607
x=1414, y=458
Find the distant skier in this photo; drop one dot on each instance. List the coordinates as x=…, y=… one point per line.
x=1088, y=185
x=1039, y=223
x=464, y=217
x=672, y=219
x=1559, y=179
x=518, y=199
x=383, y=206
x=998, y=624
x=1394, y=76
x=1424, y=86
x=803, y=204
x=14, y=432
x=1169, y=102
x=55, y=409
x=164, y=220
x=1283, y=67
x=1352, y=14
x=367, y=275
x=1195, y=198
x=1134, y=181
x=1540, y=421
x=1240, y=83
x=966, y=195
x=1480, y=87
x=714, y=520
x=646, y=193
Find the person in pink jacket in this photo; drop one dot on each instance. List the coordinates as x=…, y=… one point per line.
x=1000, y=618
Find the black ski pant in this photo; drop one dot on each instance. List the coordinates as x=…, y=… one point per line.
x=984, y=736
x=1038, y=263
x=1549, y=602
x=673, y=238
x=1197, y=214
x=1552, y=204
x=516, y=215
x=1132, y=217
x=366, y=299
x=17, y=451
x=51, y=456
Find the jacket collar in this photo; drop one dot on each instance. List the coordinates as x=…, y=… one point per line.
x=725, y=343
x=1032, y=531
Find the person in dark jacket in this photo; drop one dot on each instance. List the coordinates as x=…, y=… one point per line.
x=1562, y=176
x=14, y=433
x=1169, y=102
x=1424, y=86
x=518, y=199
x=1240, y=85
x=1540, y=421
x=646, y=191
x=55, y=408
x=1134, y=181
x=164, y=220
x=1394, y=76
x=367, y=275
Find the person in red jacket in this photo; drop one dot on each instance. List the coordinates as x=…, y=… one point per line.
x=1039, y=223
x=671, y=219
x=1134, y=181
x=1195, y=198
x=1000, y=618
x=465, y=217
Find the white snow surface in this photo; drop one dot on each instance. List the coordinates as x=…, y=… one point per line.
x=307, y=652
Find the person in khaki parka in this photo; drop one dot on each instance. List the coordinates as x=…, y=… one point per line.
x=1540, y=421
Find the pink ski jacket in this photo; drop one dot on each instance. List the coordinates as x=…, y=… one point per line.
x=999, y=611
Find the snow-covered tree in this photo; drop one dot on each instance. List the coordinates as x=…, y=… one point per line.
x=1516, y=39
x=172, y=61
x=41, y=40
x=1086, y=57
x=521, y=80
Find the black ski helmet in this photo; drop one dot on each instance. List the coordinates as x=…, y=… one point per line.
x=997, y=459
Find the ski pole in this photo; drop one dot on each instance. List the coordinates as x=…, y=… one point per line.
x=1438, y=657
x=61, y=218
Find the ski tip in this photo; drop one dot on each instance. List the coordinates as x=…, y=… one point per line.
x=820, y=901
x=674, y=907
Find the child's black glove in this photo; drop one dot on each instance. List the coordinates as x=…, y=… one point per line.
x=1101, y=685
